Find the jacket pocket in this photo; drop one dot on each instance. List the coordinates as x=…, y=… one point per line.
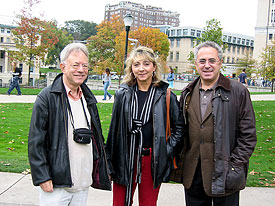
x=235, y=179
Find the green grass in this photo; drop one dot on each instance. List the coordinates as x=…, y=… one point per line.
x=15, y=120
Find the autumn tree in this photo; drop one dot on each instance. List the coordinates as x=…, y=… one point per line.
x=80, y=30
x=102, y=46
x=268, y=64
x=33, y=36
x=144, y=36
x=247, y=63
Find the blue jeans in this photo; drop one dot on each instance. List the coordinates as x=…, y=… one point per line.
x=171, y=84
x=106, y=85
x=14, y=84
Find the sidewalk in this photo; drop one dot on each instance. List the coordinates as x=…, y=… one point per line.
x=17, y=189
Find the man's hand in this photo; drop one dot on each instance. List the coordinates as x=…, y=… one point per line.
x=47, y=186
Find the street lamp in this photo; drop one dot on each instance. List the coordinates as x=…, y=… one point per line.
x=128, y=20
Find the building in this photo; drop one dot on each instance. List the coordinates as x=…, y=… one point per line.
x=182, y=41
x=143, y=15
x=6, y=64
x=265, y=26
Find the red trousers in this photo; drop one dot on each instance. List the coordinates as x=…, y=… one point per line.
x=147, y=195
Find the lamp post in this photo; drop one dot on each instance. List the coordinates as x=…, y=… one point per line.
x=128, y=20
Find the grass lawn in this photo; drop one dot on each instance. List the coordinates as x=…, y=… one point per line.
x=15, y=120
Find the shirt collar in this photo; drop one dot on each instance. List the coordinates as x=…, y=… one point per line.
x=70, y=95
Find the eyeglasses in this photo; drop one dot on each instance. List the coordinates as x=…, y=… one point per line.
x=210, y=61
x=77, y=66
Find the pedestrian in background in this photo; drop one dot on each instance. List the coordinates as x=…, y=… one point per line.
x=65, y=144
x=243, y=78
x=107, y=83
x=171, y=78
x=136, y=146
x=221, y=133
x=16, y=75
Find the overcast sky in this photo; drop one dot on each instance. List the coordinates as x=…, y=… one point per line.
x=236, y=16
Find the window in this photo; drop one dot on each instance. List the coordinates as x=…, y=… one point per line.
x=185, y=31
x=270, y=36
x=171, y=56
x=177, y=56
x=2, y=39
x=228, y=59
x=178, y=42
x=178, y=32
x=172, y=42
x=229, y=38
x=1, y=69
x=238, y=49
x=192, y=32
x=8, y=31
x=239, y=40
x=172, y=32
x=2, y=54
x=234, y=40
x=234, y=49
x=224, y=38
x=229, y=48
x=243, y=41
x=198, y=33
x=247, y=42
x=2, y=30
x=233, y=60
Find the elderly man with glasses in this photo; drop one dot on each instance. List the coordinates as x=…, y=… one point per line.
x=66, y=151
x=220, y=136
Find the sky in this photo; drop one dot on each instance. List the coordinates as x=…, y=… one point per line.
x=235, y=16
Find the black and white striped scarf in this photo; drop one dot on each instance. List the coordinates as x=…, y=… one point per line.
x=136, y=125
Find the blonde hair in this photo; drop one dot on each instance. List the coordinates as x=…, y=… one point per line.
x=148, y=54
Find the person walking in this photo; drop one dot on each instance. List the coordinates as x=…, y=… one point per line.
x=171, y=78
x=107, y=83
x=221, y=134
x=65, y=144
x=243, y=78
x=136, y=146
x=16, y=75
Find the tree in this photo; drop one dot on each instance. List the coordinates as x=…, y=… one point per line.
x=246, y=63
x=53, y=53
x=146, y=36
x=80, y=30
x=33, y=37
x=268, y=64
x=102, y=46
x=212, y=32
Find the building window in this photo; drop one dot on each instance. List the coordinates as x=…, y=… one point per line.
x=192, y=32
x=229, y=38
x=172, y=42
x=239, y=40
x=178, y=42
x=198, y=33
x=2, y=30
x=224, y=38
x=234, y=49
x=172, y=32
x=243, y=41
x=177, y=56
x=1, y=69
x=238, y=49
x=233, y=60
x=178, y=32
x=228, y=59
x=185, y=32
x=234, y=40
x=229, y=48
x=2, y=39
x=270, y=36
x=2, y=54
x=8, y=31
x=171, y=56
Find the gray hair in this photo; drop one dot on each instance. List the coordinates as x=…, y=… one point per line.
x=208, y=44
x=65, y=53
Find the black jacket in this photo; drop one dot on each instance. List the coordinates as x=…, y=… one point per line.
x=234, y=133
x=48, y=138
x=118, y=143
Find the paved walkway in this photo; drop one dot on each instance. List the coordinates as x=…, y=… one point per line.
x=17, y=189
x=31, y=98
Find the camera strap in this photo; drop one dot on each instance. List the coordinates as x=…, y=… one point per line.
x=71, y=115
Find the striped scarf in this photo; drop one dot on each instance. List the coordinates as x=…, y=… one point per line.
x=136, y=125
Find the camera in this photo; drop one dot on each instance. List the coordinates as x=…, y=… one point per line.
x=83, y=135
